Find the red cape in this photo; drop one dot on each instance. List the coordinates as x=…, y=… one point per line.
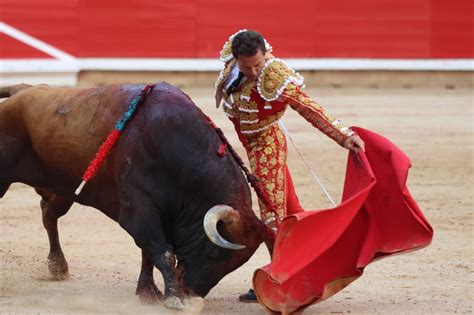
x=317, y=253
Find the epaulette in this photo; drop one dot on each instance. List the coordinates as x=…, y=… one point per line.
x=274, y=78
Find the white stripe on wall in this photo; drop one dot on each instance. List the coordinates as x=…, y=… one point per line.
x=34, y=42
x=184, y=64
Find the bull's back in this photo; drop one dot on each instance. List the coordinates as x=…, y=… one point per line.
x=181, y=149
x=64, y=126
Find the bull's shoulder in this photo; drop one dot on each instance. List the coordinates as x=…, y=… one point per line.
x=168, y=107
x=171, y=97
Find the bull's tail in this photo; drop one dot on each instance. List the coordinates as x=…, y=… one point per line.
x=8, y=91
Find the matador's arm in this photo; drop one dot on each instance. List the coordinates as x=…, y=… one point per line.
x=315, y=114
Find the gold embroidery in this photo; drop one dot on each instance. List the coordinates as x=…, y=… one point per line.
x=275, y=76
x=273, y=161
x=248, y=118
x=247, y=88
x=229, y=108
x=267, y=161
x=245, y=106
x=262, y=124
x=247, y=111
x=226, y=52
x=315, y=114
x=229, y=111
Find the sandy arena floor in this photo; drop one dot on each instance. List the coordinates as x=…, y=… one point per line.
x=433, y=126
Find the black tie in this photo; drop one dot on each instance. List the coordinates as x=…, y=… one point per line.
x=235, y=84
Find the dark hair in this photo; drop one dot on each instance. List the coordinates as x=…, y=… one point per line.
x=247, y=44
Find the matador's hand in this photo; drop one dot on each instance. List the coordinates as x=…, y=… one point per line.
x=354, y=143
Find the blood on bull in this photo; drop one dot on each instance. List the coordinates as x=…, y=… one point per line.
x=161, y=181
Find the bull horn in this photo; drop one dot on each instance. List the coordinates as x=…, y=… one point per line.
x=214, y=215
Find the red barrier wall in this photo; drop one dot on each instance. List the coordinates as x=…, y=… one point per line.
x=198, y=28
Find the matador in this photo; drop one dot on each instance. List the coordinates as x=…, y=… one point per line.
x=255, y=89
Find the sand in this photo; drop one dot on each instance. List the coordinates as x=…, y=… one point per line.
x=433, y=126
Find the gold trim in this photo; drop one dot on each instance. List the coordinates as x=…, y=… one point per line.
x=263, y=124
x=315, y=114
x=275, y=76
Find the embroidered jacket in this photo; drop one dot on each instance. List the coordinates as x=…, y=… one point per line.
x=259, y=104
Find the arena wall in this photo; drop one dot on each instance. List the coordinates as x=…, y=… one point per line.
x=51, y=39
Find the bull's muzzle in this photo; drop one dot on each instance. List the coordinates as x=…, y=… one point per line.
x=228, y=216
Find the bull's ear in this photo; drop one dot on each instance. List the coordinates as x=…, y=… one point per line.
x=225, y=214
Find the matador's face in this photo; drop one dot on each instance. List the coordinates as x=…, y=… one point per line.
x=251, y=66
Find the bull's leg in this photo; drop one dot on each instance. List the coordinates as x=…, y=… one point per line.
x=53, y=207
x=146, y=288
x=174, y=293
x=147, y=230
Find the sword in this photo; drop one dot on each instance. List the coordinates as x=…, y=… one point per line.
x=285, y=131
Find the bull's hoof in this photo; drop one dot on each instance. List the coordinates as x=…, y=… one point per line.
x=58, y=267
x=193, y=304
x=149, y=293
x=174, y=302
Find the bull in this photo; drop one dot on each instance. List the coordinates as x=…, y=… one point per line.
x=161, y=181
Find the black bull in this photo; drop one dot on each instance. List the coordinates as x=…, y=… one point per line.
x=159, y=182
